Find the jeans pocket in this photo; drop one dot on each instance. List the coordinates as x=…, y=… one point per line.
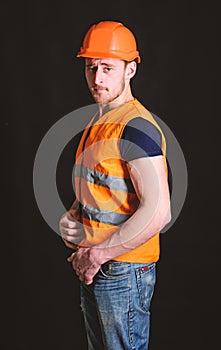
x=146, y=278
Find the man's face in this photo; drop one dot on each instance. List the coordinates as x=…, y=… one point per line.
x=105, y=78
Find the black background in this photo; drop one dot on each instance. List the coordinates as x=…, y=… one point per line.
x=178, y=81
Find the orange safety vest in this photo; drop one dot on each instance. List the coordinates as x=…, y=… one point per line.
x=103, y=187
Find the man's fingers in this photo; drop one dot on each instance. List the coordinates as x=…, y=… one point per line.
x=73, y=236
x=88, y=281
x=71, y=257
x=66, y=223
x=71, y=232
x=69, y=219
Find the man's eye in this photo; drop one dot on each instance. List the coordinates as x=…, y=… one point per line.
x=107, y=69
x=93, y=69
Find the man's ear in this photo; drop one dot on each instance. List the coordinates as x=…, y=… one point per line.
x=130, y=69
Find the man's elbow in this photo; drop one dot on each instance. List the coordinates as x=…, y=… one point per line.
x=165, y=217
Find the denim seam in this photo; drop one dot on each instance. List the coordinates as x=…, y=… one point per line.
x=130, y=314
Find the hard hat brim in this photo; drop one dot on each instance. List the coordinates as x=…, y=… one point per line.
x=119, y=55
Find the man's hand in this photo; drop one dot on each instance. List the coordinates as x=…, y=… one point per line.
x=72, y=231
x=86, y=263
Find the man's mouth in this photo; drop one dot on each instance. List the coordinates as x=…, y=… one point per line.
x=99, y=89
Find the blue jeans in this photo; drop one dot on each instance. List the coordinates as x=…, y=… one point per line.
x=116, y=306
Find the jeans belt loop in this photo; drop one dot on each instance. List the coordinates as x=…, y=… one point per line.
x=109, y=268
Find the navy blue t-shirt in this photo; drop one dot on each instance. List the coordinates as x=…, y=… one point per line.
x=140, y=138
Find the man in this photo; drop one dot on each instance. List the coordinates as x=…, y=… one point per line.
x=122, y=197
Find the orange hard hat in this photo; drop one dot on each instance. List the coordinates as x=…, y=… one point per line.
x=109, y=39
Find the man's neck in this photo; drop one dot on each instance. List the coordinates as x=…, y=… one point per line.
x=106, y=107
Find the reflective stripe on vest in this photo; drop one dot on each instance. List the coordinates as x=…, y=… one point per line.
x=98, y=178
x=104, y=216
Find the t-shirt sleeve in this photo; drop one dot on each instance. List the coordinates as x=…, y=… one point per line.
x=140, y=138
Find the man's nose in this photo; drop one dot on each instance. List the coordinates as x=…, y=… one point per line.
x=98, y=79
